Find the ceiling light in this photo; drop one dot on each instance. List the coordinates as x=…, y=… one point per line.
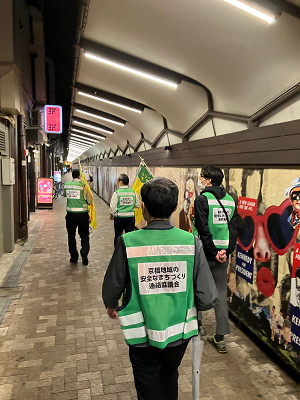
x=98, y=116
x=259, y=14
x=109, y=102
x=75, y=121
x=76, y=145
x=82, y=141
x=79, y=144
x=75, y=150
x=73, y=141
x=75, y=155
x=87, y=133
x=85, y=138
x=131, y=70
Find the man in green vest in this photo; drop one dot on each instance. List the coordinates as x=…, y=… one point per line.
x=164, y=278
x=123, y=202
x=78, y=198
x=216, y=224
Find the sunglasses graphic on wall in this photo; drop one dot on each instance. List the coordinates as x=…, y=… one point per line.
x=295, y=195
x=277, y=229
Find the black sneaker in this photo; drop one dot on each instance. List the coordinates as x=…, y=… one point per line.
x=220, y=346
x=85, y=261
x=73, y=260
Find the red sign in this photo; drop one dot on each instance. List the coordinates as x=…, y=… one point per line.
x=247, y=205
x=296, y=259
x=45, y=190
x=53, y=119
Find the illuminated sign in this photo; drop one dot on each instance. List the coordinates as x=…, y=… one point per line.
x=57, y=176
x=53, y=119
x=45, y=192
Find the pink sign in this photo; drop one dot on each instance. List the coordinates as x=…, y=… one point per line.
x=53, y=119
x=45, y=190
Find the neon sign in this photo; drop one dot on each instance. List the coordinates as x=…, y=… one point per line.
x=45, y=191
x=53, y=119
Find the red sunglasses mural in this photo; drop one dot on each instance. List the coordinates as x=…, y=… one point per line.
x=262, y=231
x=273, y=225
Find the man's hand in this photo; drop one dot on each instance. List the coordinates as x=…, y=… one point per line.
x=221, y=256
x=112, y=313
x=111, y=216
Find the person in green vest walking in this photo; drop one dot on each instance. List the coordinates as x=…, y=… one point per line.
x=78, y=198
x=163, y=277
x=123, y=202
x=216, y=224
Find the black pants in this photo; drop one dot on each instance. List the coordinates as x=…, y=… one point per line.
x=80, y=220
x=156, y=371
x=123, y=224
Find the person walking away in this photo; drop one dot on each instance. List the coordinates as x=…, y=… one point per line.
x=123, y=202
x=216, y=224
x=77, y=216
x=164, y=278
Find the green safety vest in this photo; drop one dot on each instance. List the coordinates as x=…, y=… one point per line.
x=126, y=203
x=217, y=222
x=161, y=308
x=75, y=200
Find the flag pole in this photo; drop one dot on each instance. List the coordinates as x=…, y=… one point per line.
x=138, y=170
x=196, y=354
x=145, y=165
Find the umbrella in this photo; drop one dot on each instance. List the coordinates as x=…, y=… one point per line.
x=196, y=354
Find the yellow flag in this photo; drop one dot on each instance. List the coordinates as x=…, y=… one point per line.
x=143, y=175
x=91, y=207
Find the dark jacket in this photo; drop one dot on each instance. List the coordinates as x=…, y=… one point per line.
x=201, y=223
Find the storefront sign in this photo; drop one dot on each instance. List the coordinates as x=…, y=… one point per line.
x=53, y=119
x=57, y=176
x=45, y=192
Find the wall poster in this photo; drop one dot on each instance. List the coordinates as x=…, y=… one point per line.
x=264, y=279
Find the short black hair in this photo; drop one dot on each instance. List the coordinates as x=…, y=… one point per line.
x=160, y=196
x=214, y=173
x=124, y=178
x=75, y=173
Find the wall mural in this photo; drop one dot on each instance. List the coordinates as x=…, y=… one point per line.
x=264, y=271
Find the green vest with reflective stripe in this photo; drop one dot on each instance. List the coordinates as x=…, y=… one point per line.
x=126, y=202
x=161, y=307
x=217, y=222
x=75, y=200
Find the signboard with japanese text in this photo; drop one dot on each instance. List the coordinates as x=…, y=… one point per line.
x=163, y=277
x=45, y=193
x=53, y=119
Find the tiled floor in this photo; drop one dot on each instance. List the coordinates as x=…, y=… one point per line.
x=57, y=341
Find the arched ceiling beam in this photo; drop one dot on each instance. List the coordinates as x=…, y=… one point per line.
x=103, y=116
x=86, y=123
x=76, y=129
x=109, y=98
x=119, y=57
x=274, y=106
x=287, y=7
